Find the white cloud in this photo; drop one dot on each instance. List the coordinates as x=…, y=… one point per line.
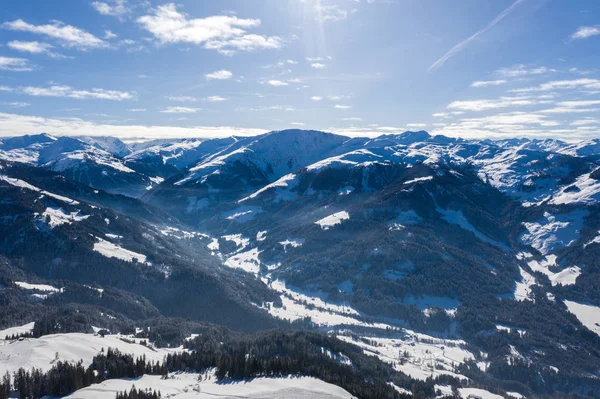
x=590, y=84
x=416, y=125
x=460, y=46
x=215, y=99
x=250, y=42
x=17, y=104
x=572, y=107
x=34, y=47
x=181, y=98
x=487, y=83
x=338, y=106
x=68, y=35
x=326, y=13
x=569, y=110
x=15, y=64
x=578, y=103
x=297, y=123
x=268, y=108
x=69, y=92
x=137, y=110
x=291, y=62
x=115, y=8
x=223, y=33
x=13, y=124
x=180, y=110
x=316, y=98
x=109, y=35
x=585, y=122
x=584, y=32
x=580, y=71
x=390, y=129
x=318, y=65
x=277, y=83
x=352, y=119
x=504, y=125
x=219, y=75
x=521, y=70
x=484, y=105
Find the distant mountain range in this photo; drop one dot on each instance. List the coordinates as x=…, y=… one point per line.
x=474, y=260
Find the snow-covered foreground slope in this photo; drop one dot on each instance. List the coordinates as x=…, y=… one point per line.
x=26, y=328
x=41, y=352
x=183, y=386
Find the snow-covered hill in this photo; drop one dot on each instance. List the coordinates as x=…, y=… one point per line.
x=184, y=386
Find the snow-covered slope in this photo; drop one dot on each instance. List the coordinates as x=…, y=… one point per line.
x=269, y=156
x=109, y=144
x=184, y=386
x=42, y=352
x=92, y=161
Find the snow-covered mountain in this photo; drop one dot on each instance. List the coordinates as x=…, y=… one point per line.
x=96, y=162
x=491, y=248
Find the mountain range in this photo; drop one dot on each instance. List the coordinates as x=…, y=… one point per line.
x=458, y=264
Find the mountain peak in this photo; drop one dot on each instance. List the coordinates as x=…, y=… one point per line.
x=413, y=136
x=12, y=143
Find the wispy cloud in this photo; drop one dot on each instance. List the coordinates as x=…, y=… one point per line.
x=585, y=32
x=316, y=98
x=486, y=83
x=521, y=70
x=13, y=124
x=573, y=107
x=287, y=108
x=15, y=64
x=484, y=105
x=215, y=99
x=179, y=110
x=17, y=104
x=224, y=33
x=115, y=8
x=68, y=35
x=338, y=106
x=462, y=45
x=317, y=65
x=182, y=99
x=589, y=84
x=34, y=48
x=69, y=92
x=585, y=122
x=219, y=75
x=330, y=12
x=276, y=83
x=504, y=125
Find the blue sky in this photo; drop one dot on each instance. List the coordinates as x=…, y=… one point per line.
x=141, y=69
